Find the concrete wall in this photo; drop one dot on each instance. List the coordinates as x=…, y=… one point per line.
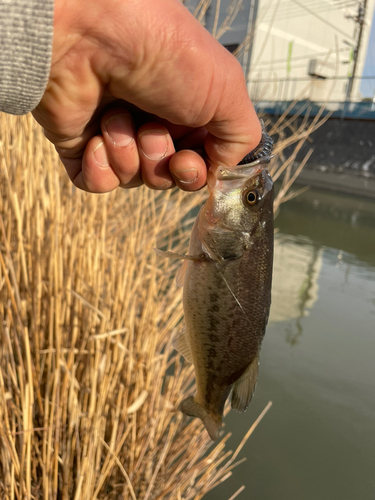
x=343, y=159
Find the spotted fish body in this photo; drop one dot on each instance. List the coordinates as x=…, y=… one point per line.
x=227, y=287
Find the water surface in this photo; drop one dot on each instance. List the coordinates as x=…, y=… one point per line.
x=317, y=360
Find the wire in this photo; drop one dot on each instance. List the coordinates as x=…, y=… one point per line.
x=308, y=56
x=306, y=79
x=287, y=12
x=320, y=18
x=318, y=5
x=287, y=8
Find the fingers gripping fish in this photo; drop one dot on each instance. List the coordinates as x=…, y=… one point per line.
x=227, y=286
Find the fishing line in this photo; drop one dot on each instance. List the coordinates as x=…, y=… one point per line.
x=235, y=298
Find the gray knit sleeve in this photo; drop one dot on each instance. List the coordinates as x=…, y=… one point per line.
x=26, y=28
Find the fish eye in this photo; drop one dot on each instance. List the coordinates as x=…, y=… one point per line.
x=251, y=197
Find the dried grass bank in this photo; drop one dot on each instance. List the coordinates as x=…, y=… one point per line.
x=89, y=380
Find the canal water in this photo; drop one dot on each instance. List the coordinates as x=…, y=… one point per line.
x=317, y=362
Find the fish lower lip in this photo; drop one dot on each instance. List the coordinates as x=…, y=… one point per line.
x=243, y=171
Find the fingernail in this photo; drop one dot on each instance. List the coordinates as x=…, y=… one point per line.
x=120, y=129
x=100, y=155
x=186, y=176
x=154, y=144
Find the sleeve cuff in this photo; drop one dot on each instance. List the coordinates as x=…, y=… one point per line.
x=26, y=30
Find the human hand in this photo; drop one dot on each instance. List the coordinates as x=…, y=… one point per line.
x=140, y=92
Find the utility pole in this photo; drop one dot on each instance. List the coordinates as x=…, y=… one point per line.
x=360, y=20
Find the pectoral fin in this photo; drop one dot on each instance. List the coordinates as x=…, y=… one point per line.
x=181, y=344
x=171, y=255
x=244, y=388
x=180, y=276
x=221, y=244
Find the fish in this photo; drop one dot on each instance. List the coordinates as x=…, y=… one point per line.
x=226, y=278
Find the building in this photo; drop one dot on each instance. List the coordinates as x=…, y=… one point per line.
x=294, y=49
x=306, y=50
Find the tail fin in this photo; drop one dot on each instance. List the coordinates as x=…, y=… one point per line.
x=211, y=422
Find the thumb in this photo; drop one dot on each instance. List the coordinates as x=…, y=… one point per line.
x=234, y=129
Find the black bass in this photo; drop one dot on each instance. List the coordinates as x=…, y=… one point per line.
x=227, y=287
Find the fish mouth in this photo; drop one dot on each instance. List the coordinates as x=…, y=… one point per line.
x=227, y=180
x=243, y=171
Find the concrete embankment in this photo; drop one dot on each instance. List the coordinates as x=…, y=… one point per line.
x=343, y=158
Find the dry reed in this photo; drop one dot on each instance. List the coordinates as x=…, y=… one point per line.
x=89, y=381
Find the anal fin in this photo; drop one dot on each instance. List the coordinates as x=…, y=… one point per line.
x=181, y=344
x=244, y=388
